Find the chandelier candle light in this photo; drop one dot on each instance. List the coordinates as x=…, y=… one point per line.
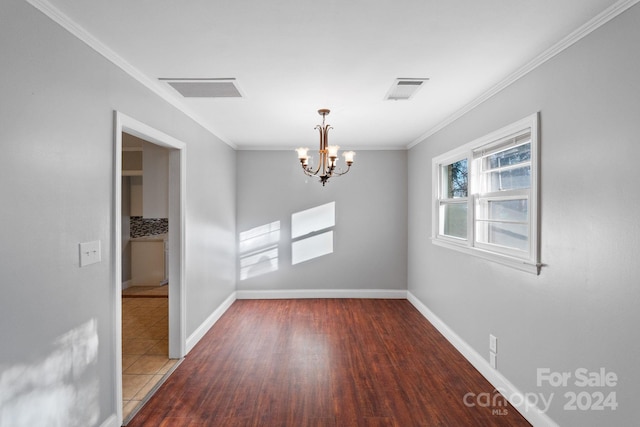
x=328, y=155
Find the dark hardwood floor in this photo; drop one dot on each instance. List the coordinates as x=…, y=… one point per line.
x=323, y=362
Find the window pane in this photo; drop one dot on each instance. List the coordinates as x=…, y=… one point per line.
x=454, y=217
x=509, y=210
x=511, y=156
x=514, y=236
x=456, y=179
x=510, y=179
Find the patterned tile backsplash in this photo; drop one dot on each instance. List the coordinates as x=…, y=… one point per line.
x=141, y=227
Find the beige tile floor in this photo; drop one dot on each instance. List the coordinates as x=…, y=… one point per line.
x=145, y=360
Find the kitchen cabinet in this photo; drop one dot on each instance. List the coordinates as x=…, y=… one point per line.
x=147, y=165
x=131, y=161
x=131, y=155
x=155, y=181
x=148, y=260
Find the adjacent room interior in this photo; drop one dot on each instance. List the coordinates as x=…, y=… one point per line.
x=366, y=213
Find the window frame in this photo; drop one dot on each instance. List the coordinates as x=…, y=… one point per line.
x=528, y=260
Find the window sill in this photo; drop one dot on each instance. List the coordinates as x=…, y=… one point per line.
x=520, y=264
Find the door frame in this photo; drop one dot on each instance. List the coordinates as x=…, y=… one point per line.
x=177, y=201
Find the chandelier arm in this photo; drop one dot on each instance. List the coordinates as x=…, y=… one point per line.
x=325, y=140
x=308, y=171
x=320, y=131
x=339, y=172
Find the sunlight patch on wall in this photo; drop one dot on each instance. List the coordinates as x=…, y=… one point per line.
x=311, y=234
x=312, y=247
x=258, y=249
x=314, y=219
x=60, y=390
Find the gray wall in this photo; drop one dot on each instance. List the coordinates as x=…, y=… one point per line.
x=57, y=180
x=582, y=311
x=371, y=219
x=57, y=103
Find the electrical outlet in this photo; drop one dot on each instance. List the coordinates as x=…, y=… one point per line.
x=493, y=343
x=89, y=253
x=493, y=360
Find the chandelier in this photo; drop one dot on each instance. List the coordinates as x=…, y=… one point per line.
x=328, y=155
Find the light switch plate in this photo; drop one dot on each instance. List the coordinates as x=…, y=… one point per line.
x=493, y=343
x=89, y=253
x=493, y=360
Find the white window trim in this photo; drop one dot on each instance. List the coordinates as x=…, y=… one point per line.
x=529, y=264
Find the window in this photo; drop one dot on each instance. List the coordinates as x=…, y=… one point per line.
x=486, y=196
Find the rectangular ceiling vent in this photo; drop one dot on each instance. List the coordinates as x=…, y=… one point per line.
x=404, y=88
x=205, y=88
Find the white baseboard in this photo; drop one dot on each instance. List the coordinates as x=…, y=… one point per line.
x=111, y=421
x=197, y=335
x=126, y=284
x=322, y=293
x=534, y=415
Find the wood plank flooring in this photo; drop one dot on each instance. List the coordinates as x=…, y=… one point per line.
x=323, y=362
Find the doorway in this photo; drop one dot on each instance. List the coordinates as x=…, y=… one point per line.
x=176, y=151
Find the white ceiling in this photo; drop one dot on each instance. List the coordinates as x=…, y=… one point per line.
x=292, y=57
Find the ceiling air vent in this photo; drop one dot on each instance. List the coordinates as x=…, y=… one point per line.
x=205, y=88
x=404, y=88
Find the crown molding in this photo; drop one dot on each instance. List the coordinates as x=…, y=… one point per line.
x=578, y=34
x=78, y=31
